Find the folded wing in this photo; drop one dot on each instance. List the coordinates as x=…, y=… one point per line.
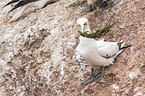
x=20, y=3
x=11, y=2
x=107, y=49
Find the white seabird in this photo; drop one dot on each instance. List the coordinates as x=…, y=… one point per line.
x=27, y=3
x=91, y=3
x=91, y=8
x=97, y=52
x=102, y=3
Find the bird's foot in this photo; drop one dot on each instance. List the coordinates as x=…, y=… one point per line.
x=89, y=80
x=93, y=78
x=90, y=9
x=98, y=77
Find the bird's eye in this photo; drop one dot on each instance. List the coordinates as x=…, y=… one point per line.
x=85, y=23
x=79, y=25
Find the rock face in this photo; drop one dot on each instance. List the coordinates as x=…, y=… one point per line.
x=38, y=57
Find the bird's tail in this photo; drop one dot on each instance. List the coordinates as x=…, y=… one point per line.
x=121, y=47
x=120, y=44
x=17, y=15
x=125, y=47
x=11, y=2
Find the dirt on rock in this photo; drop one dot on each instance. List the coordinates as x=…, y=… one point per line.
x=38, y=57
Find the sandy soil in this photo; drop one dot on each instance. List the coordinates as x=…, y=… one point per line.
x=38, y=57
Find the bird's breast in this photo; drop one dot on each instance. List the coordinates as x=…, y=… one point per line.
x=88, y=50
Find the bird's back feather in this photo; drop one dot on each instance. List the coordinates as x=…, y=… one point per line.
x=22, y=3
x=11, y=2
x=98, y=53
x=107, y=49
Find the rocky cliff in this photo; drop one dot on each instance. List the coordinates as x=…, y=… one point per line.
x=38, y=57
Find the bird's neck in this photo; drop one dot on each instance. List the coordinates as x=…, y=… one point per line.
x=85, y=40
x=88, y=30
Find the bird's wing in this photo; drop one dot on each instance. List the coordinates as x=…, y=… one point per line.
x=107, y=49
x=11, y=2
x=49, y=2
x=22, y=3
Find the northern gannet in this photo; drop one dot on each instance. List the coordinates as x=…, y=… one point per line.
x=25, y=3
x=91, y=7
x=102, y=3
x=97, y=52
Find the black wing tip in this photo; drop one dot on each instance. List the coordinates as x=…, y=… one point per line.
x=11, y=2
x=119, y=45
x=50, y=2
x=6, y=4
x=125, y=47
x=11, y=10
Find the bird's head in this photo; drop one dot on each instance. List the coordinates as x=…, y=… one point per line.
x=84, y=25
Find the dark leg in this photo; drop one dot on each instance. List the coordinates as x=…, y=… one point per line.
x=90, y=9
x=100, y=75
x=93, y=77
x=90, y=79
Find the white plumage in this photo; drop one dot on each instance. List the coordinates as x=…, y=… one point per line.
x=91, y=7
x=90, y=2
x=23, y=4
x=97, y=52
